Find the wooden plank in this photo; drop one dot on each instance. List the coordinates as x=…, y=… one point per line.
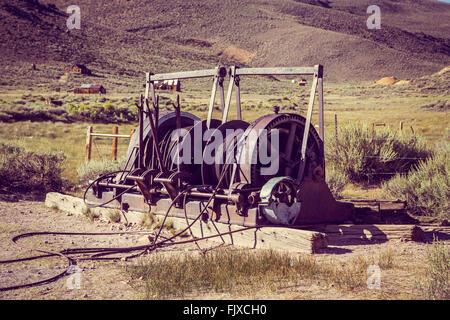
x=276, y=71
x=279, y=238
x=77, y=207
x=372, y=232
x=114, y=143
x=267, y=237
x=183, y=75
x=88, y=143
x=109, y=135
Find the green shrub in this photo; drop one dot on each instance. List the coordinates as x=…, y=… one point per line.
x=22, y=170
x=95, y=168
x=426, y=188
x=336, y=180
x=25, y=113
x=362, y=153
x=107, y=113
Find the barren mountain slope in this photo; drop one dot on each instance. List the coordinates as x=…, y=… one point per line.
x=128, y=37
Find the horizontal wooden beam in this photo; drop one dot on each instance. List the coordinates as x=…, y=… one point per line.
x=110, y=135
x=342, y=234
x=184, y=75
x=277, y=71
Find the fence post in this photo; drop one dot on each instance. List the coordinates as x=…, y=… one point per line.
x=401, y=125
x=114, y=143
x=88, y=143
x=336, y=133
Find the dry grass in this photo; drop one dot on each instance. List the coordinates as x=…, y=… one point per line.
x=243, y=272
x=436, y=285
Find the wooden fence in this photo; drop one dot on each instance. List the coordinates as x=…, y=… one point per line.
x=115, y=136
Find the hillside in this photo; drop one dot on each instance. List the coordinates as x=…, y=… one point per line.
x=119, y=40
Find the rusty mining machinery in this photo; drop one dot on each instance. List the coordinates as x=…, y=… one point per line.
x=238, y=190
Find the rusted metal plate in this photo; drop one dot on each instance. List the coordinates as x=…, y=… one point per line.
x=319, y=205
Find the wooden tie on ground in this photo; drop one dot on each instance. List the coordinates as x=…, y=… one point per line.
x=305, y=239
x=341, y=234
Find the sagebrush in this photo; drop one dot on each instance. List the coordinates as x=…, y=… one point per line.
x=336, y=181
x=22, y=170
x=362, y=153
x=94, y=168
x=426, y=188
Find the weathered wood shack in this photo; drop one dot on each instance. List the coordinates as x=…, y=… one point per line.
x=78, y=68
x=90, y=88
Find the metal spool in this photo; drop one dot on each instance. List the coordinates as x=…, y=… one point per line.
x=230, y=132
x=290, y=128
x=166, y=124
x=194, y=142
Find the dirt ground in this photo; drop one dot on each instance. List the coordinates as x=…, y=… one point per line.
x=109, y=280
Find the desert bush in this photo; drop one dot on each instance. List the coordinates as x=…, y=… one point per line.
x=426, y=188
x=22, y=170
x=362, y=153
x=107, y=112
x=25, y=113
x=436, y=285
x=336, y=180
x=94, y=168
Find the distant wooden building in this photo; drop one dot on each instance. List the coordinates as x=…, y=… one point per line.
x=90, y=88
x=168, y=85
x=78, y=68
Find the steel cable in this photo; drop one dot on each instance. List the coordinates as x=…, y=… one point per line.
x=100, y=253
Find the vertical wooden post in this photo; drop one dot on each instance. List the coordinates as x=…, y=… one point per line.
x=401, y=126
x=336, y=133
x=373, y=128
x=88, y=143
x=114, y=143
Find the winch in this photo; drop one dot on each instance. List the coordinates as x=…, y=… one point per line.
x=268, y=172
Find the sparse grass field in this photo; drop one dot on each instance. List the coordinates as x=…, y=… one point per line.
x=350, y=102
x=407, y=271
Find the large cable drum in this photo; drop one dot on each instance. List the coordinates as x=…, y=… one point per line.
x=220, y=153
x=167, y=124
x=271, y=147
